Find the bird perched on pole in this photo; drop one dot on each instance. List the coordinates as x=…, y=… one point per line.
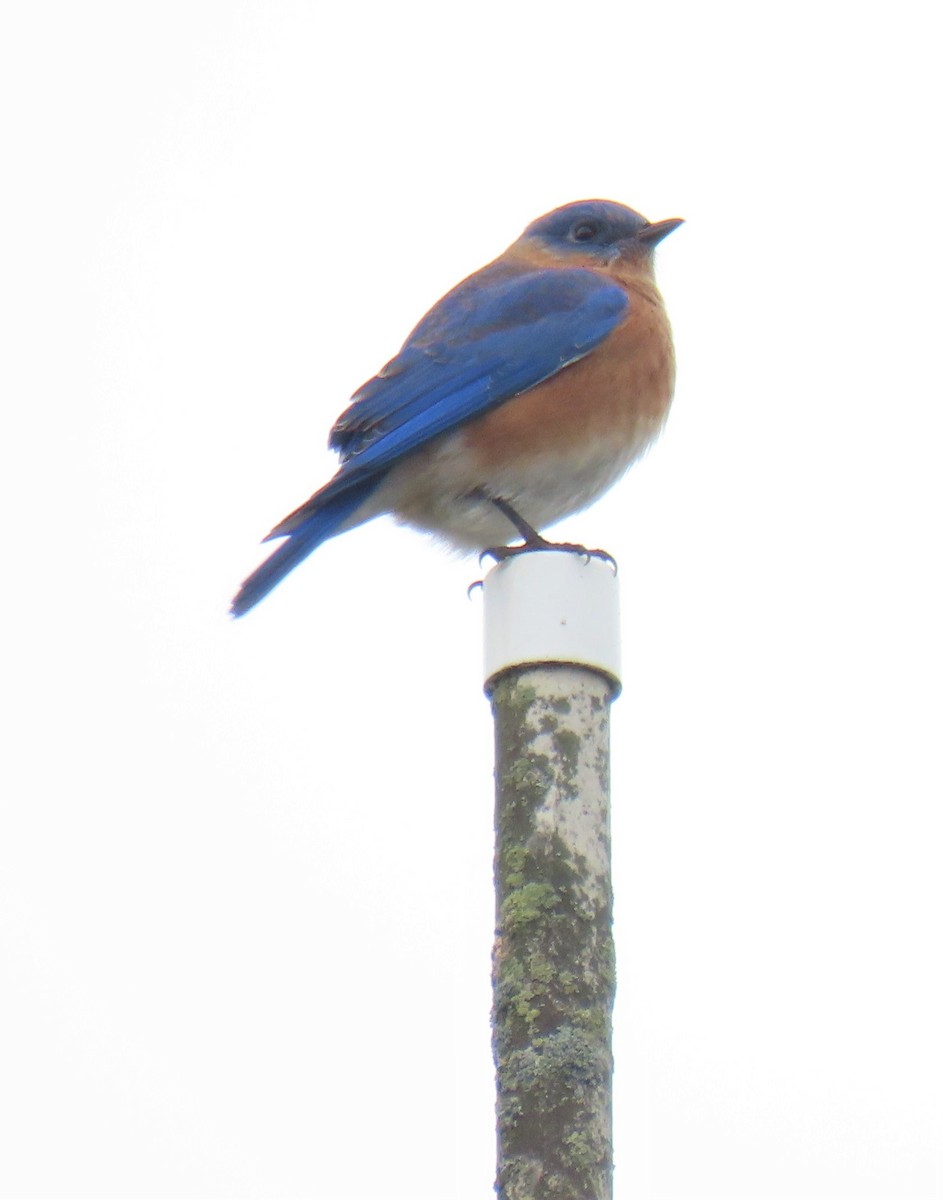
x=517, y=400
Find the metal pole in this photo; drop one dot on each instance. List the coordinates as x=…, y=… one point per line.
x=552, y=672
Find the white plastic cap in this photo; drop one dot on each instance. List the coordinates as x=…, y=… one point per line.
x=552, y=606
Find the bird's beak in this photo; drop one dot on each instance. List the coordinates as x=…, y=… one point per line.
x=653, y=233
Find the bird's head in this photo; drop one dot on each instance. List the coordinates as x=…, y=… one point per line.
x=596, y=232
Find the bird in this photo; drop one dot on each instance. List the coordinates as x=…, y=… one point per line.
x=521, y=397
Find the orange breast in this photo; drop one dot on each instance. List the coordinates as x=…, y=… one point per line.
x=619, y=391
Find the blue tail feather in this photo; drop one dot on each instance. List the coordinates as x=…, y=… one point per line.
x=322, y=524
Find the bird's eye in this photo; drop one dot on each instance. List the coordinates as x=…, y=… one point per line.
x=585, y=231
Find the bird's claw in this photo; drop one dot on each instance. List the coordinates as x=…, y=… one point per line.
x=502, y=553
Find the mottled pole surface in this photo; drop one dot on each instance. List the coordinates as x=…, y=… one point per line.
x=554, y=961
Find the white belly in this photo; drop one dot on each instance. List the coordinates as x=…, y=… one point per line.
x=439, y=491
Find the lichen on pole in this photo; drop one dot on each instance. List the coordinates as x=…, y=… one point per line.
x=554, y=961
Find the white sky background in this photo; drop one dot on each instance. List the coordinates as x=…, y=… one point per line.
x=245, y=868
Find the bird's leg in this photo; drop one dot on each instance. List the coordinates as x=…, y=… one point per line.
x=532, y=539
x=530, y=535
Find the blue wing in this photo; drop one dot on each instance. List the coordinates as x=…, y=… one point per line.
x=493, y=337
x=500, y=333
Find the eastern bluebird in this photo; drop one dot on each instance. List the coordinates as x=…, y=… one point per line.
x=517, y=400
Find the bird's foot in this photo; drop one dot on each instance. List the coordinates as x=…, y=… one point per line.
x=532, y=539
x=503, y=553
